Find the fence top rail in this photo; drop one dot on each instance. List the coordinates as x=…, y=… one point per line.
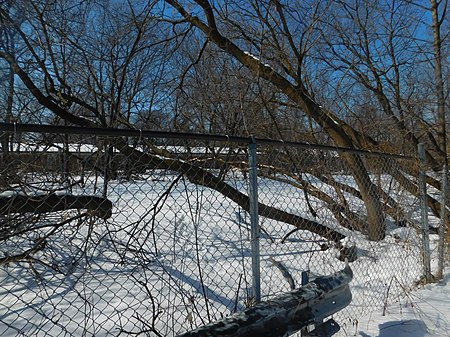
x=114, y=132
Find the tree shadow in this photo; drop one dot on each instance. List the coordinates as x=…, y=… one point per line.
x=202, y=288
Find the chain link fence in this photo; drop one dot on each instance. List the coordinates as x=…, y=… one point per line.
x=107, y=234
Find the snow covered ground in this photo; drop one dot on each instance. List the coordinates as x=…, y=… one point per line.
x=175, y=253
x=423, y=313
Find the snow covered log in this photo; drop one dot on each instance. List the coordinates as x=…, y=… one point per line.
x=287, y=313
x=97, y=206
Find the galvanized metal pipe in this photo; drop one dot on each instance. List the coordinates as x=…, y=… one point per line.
x=424, y=214
x=254, y=219
x=287, y=313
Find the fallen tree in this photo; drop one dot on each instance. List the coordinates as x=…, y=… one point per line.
x=200, y=176
x=98, y=206
x=29, y=225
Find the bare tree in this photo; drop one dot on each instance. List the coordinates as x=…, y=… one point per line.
x=97, y=95
x=287, y=52
x=217, y=95
x=8, y=42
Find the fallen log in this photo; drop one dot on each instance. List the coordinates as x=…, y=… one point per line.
x=289, y=312
x=98, y=206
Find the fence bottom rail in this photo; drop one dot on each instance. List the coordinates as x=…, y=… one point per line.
x=289, y=312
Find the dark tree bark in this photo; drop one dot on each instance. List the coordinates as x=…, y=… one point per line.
x=21, y=204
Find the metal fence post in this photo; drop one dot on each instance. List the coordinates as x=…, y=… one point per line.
x=253, y=197
x=443, y=224
x=424, y=213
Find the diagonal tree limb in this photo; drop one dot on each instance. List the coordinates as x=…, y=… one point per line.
x=199, y=176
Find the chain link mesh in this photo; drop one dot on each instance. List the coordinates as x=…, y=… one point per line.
x=115, y=236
